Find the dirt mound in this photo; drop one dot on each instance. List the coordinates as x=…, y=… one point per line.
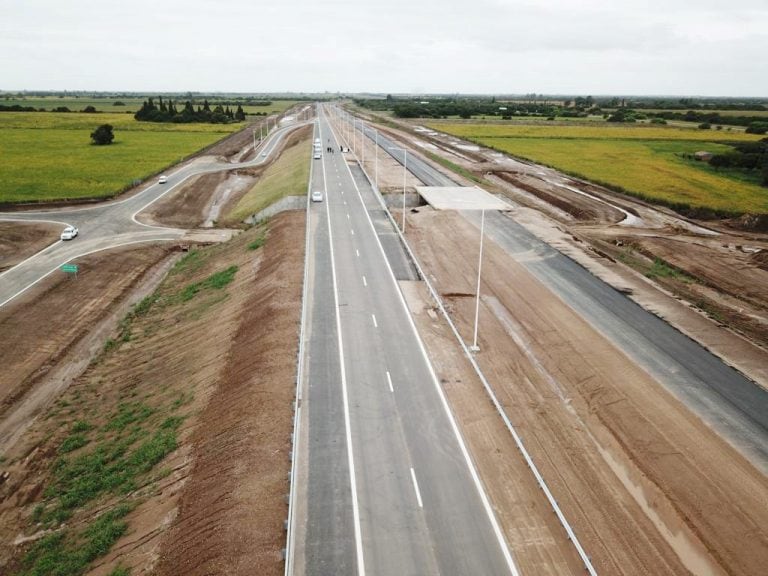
x=749, y=223
x=20, y=240
x=232, y=509
x=581, y=207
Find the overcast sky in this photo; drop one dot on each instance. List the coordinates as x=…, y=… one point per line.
x=678, y=47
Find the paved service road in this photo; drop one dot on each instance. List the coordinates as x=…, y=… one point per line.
x=720, y=395
x=390, y=487
x=109, y=224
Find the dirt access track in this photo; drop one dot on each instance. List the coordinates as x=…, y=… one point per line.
x=714, y=266
x=647, y=486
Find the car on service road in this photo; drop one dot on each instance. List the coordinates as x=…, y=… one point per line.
x=69, y=233
x=317, y=155
x=163, y=179
x=317, y=196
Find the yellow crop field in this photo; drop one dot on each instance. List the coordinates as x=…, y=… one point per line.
x=601, y=132
x=647, y=162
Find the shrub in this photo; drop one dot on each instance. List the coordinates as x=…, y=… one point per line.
x=103, y=135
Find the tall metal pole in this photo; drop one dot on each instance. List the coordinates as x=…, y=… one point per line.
x=254, y=139
x=376, y=159
x=475, y=347
x=405, y=169
x=362, y=141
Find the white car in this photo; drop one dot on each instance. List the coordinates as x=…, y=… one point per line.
x=317, y=196
x=69, y=233
x=163, y=179
x=317, y=155
x=263, y=154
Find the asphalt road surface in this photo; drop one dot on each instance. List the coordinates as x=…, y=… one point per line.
x=390, y=488
x=109, y=224
x=720, y=395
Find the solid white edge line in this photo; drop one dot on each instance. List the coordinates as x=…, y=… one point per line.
x=345, y=395
x=290, y=536
x=389, y=381
x=462, y=446
x=416, y=488
x=357, y=252
x=365, y=282
x=28, y=286
x=375, y=324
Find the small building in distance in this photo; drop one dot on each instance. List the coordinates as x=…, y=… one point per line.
x=703, y=156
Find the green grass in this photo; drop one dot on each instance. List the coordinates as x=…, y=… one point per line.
x=49, y=156
x=660, y=269
x=454, y=167
x=288, y=176
x=647, y=162
x=215, y=281
x=61, y=554
x=257, y=243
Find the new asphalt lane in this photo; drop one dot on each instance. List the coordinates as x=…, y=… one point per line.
x=390, y=487
x=720, y=395
x=110, y=224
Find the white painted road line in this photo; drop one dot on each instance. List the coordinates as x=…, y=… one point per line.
x=416, y=488
x=345, y=400
x=352, y=230
x=365, y=282
x=389, y=381
x=357, y=252
x=375, y=324
x=347, y=215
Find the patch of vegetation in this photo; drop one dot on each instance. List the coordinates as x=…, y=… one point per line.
x=257, y=243
x=454, y=167
x=120, y=571
x=190, y=262
x=73, y=442
x=59, y=554
x=215, y=281
x=128, y=413
x=660, y=269
x=169, y=112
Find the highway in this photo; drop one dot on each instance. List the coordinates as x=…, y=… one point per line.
x=110, y=224
x=720, y=395
x=389, y=487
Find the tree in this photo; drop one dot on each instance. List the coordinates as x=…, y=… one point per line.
x=89, y=110
x=239, y=114
x=103, y=135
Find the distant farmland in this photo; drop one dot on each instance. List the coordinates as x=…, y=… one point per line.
x=645, y=161
x=48, y=156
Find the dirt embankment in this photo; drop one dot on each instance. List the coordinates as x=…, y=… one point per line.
x=20, y=240
x=648, y=488
x=191, y=405
x=232, y=510
x=204, y=198
x=38, y=328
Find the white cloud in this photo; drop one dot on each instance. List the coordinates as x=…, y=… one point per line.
x=511, y=46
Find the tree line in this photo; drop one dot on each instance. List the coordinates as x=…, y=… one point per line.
x=169, y=112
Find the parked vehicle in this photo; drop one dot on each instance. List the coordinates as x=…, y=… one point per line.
x=317, y=155
x=317, y=196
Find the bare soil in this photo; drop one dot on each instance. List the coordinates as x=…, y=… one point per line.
x=38, y=328
x=225, y=363
x=647, y=486
x=233, y=506
x=20, y=240
x=538, y=543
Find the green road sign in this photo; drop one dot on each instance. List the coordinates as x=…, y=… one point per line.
x=69, y=268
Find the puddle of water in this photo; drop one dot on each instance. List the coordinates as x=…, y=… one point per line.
x=686, y=546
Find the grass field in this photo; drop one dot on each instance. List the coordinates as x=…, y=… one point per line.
x=48, y=156
x=644, y=161
x=286, y=177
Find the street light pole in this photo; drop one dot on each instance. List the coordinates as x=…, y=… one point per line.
x=475, y=347
x=405, y=170
x=362, y=141
x=376, y=159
